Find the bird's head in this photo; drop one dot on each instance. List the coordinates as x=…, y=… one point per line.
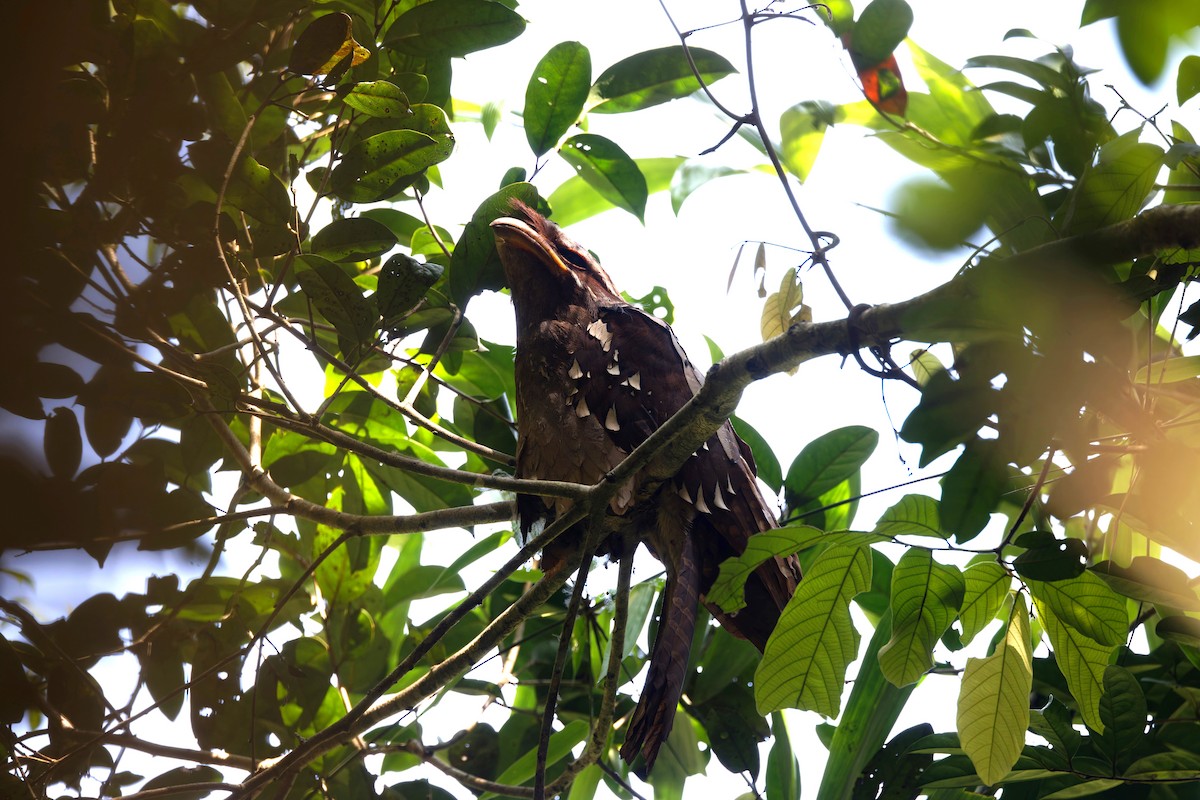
x=546, y=270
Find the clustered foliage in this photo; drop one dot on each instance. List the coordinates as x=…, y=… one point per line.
x=170, y=276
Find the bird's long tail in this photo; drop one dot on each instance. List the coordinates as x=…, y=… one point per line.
x=651, y=722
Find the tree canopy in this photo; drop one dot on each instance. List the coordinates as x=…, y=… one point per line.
x=222, y=205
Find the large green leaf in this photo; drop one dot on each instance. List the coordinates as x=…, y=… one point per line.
x=475, y=265
x=340, y=300
x=555, y=95
x=802, y=130
x=804, y=664
x=993, y=705
x=986, y=585
x=1082, y=661
x=576, y=200
x=827, y=461
x=353, y=239
x=383, y=165
x=1087, y=604
x=972, y=490
x=608, y=169
x=654, y=77
x=1117, y=187
x=378, y=99
x=871, y=710
x=914, y=515
x=727, y=589
x=926, y=597
x=453, y=28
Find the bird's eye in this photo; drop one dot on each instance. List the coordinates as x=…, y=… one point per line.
x=575, y=258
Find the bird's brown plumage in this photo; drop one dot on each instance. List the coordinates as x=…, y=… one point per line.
x=595, y=377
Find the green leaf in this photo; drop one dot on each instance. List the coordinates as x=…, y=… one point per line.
x=871, y=711
x=383, y=165
x=1118, y=185
x=993, y=705
x=1088, y=605
x=1082, y=661
x=925, y=599
x=802, y=130
x=727, y=589
x=475, y=265
x=1150, y=580
x=185, y=776
x=914, y=515
x=783, y=770
x=378, y=99
x=1182, y=767
x=353, y=239
x=987, y=584
x=950, y=413
x=575, y=200
x=453, y=28
x=326, y=45
x=1049, y=558
x=250, y=186
x=827, y=461
x=769, y=471
x=880, y=29
x=972, y=490
x=555, y=95
x=654, y=77
x=957, y=106
x=609, y=170
x=62, y=444
x=340, y=300
x=690, y=176
x=1187, y=79
x=1123, y=711
x=403, y=281
x=804, y=664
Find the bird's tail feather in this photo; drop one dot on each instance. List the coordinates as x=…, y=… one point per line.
x=655, y=712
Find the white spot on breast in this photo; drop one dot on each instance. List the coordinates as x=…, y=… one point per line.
x=610, y=421
x=634, y=381
x=718, y=500
x=599, y=331
x=683, y=492
x=613, y=369
x=701, y=506
x=575, y=373
x=582, y=409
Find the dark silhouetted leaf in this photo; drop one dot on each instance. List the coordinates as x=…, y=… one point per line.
x=325, y=44
x=453, y=28
x=353, y=239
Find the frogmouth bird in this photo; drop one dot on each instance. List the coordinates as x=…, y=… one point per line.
x=595, y=376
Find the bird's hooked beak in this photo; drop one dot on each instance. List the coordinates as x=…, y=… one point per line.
x=515, y=236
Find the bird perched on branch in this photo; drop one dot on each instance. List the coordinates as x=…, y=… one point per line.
x=595, y=376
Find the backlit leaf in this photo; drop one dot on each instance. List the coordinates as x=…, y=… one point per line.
x=607, y=169
x=654, y=77
x=804, y=665
x=926, y=597
x=555, y=95
x=993, y=704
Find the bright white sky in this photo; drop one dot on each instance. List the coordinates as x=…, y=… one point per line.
x=692, y=254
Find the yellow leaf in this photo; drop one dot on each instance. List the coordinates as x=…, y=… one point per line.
x=993, y=705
